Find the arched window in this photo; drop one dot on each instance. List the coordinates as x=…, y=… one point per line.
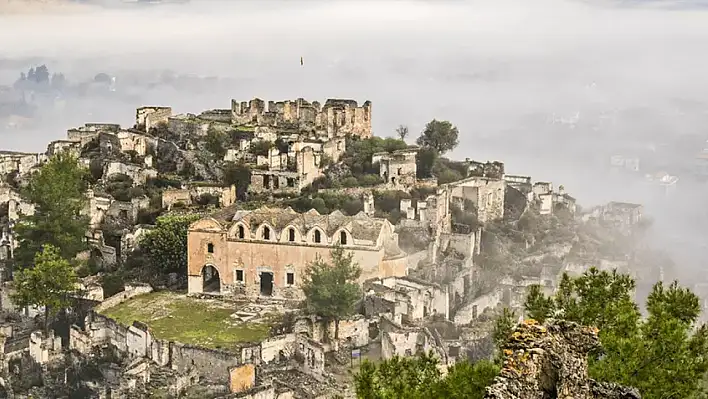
x=291, y=234
x=266, y=233
x=343, y=238
x=241, y=232
x=210, y=248
x=318, y=236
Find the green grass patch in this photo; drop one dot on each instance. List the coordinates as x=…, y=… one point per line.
x=175, y=317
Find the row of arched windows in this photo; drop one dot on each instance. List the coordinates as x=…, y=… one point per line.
x=266, y=234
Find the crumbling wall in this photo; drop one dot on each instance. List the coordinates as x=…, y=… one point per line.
x=175, y=195
x=148, y=117
x=58, y=146
x=476, y=307
x=213, y=365
x=42, y=348
x=544, y=361
x=313, y=354
x=490, y=169
x=462, y=243
x=337, y=118
x=406, y=342
x=136, y=341
x=278, y=348
x=131, y=290
x=137, y=173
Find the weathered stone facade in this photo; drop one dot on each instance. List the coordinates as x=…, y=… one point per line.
x=266, y=252
x=147, y=118
x=19, y=162
x=487, y=194
x=335, y=118
x=397, y=168
x=187, y=196
x=139, y=174
x=414, y=299
x=550, y=361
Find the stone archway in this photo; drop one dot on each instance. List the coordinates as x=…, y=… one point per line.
x=211, y=281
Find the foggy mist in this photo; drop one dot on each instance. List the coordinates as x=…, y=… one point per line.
x=617, y=77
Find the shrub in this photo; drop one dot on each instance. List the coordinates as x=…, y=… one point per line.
x=350, y=181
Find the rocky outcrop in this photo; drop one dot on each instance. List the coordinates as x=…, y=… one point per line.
x=550, y=361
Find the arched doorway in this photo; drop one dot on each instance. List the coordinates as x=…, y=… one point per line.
x=211, y=283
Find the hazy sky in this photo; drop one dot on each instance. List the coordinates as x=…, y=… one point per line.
x=498, y=69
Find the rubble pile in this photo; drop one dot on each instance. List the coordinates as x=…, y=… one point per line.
x=550, y=361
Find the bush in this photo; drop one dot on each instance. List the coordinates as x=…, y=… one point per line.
x=388, y=201
x=449, y=176
x=216, y=142
x=350, y=181
x=118, y=186
x=352, y=207
x=359, y=152
x=319, y=205
x=148, y=216
x=96, y=170
x=112, y=284
x=136, y=192
x=208, y=199
x=369, y=180
x=163, y=182
x=260, y=147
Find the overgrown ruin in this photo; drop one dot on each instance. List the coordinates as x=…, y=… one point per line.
x=550, y=361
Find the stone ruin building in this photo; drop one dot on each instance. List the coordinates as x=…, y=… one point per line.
x=550, y=361
x=265, y=252
x=397, y=168
x=336, y=117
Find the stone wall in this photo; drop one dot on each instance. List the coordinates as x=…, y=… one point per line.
x=212, y=364
x=131, y=290
x=149, y=117
x=486, y=194
x=138, y=173
x=216, y=115
x=398, y=168
x=474, y=308
x=462, y=243
x=406, y=342
x=336, y=118
x=136, y=341
x=175, y=195
x=278, y=348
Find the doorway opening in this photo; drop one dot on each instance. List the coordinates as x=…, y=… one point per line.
x=211, y=283
x=266, y=283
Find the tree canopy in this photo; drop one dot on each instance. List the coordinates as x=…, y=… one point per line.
x=165, y=246
x=49, y=283
x=402, y=132
x=420, y=378
x=239, y=175
x=663, y=355
x=331, y=288
x=441, y=136
x=57, y=191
